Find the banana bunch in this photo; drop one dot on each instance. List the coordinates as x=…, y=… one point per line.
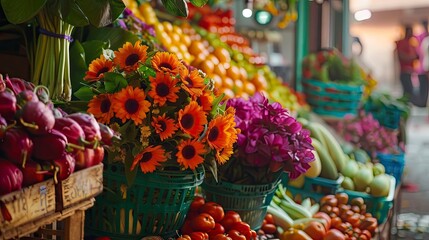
x=289, y=214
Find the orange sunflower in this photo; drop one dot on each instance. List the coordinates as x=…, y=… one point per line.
x=223, y=155
x=149, y=158
x=205, y=100
x=101, y=107
x=192, y=119
x=97, y=68
x=130, y=103
x=189, y=153
x=128, y=57
x=166, y=62
x=218, y=134
x=164, y=126
x=163, y=88
x=193, y=83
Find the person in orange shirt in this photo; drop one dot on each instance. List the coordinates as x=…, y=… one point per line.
x=406, y=49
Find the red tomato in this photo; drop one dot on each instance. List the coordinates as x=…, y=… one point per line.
x=203, y=222
x=269, y=218
x=243, y=228
x=214, y=209
x=199, y=236
x=253, y=234
x=270, y=228
x=197, y=203
x=229, y=219
x=186, y=228
x=236, y=235
x=218, y=229
x=220, y=236
x=184, y=237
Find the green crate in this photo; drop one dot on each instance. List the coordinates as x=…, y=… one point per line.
x=378, y=206
x=156, y=203
x=250, y=201
x=332, y=99
x=314, y=188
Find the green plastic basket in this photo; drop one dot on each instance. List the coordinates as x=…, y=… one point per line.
x=332, y=99
x=155, y=205
x=378, y=206
x=314, y=188
x=250, y=201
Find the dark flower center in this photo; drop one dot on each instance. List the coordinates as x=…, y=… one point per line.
x=163, y=125
x=190, y=83
x=132, y=59
x=101, y=71
x=214, y=133
x=165, y=65
x=187, y=121
x=105, y=105
x=162, y=89
x=131, y=106
x=146, y=156
x=188, y=152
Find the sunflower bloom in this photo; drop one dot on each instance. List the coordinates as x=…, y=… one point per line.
x=149, y=158
x=218, y=134
x=128, y=57
x=205, y=101
x=130, y=103
x=192, y=119
x=166, y=62
x=164, y=126
x=223, y=155
x=101, y=107
x=97, y=68
x=163, y=88
x=193, y=83
x=189, y=153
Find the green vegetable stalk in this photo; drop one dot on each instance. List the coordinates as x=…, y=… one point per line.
x=52, y=64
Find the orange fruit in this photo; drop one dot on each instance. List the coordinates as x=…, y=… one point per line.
x=334, y=234
x=222, y=54
x=213, y=58
x=315, y=230
x=217, y=80
x=249, y=88
x=206, y=66
x=228, y=83
x=228, y=93
x=219, y=69
x=168, y=27
x=243, y=74
x=233, y=72
x=185, y=39
x=196, y=48
x=259, y=81
x=175, y=38
x=244, y=95
x=238, y=86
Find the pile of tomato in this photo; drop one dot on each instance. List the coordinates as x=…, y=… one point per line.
x=208, y=220
x=348, y=217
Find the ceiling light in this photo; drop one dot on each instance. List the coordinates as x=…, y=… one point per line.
x=362, y=15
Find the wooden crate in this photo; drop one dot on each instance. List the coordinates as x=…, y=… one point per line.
x=65, y=225
x=26, y=205
x=79, y=186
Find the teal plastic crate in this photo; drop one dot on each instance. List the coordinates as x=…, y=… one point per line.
x=314, y=188
x=393, y=163
x=378, y=206
x=332, y=99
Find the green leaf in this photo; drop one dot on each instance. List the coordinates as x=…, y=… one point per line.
x=215, y=103
x=78, y=65
x=114, y=82
x=115, y=36
x=176, y=7
x=101, y=12
x=199, y=3
x=20, y=11
x=84, y=93
x=93, y=49
x=73, y=15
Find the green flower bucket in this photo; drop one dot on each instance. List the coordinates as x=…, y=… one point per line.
x=155, y=205
x=250, y=201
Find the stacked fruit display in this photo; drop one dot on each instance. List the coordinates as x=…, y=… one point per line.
x=339, y=218
x=232, y=71
x=39, y=141
x=207, y=220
